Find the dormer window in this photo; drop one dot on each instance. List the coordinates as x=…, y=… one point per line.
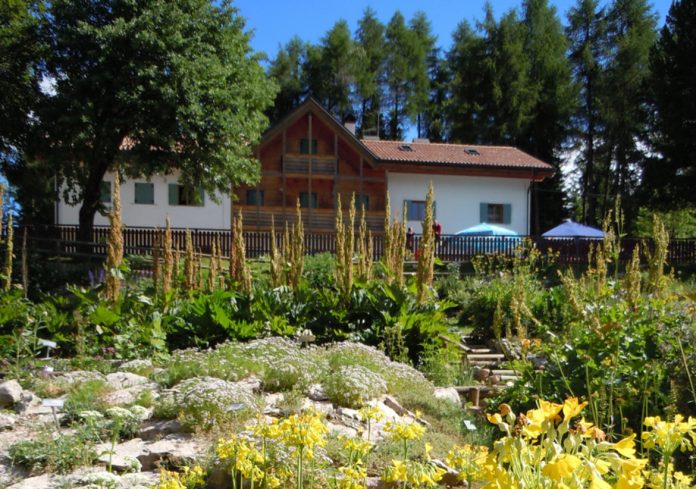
x=405, y=147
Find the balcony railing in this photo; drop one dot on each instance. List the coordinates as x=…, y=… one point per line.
x=299, y=164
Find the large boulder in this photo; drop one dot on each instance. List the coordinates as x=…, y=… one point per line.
x=177, y=449
x=448, y=394
x=10, y=393
x=127, y=387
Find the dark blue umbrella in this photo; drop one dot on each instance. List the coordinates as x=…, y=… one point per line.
x=570, y=229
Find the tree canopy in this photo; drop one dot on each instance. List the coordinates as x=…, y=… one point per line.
x=151, y=86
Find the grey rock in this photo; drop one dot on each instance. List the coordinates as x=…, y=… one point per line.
x=123, y=380
x=125, y=455
x=10, y=393
x=79, y=376
x=43, y=482
x=159, y=429
x=127, y=387
x=7, y=421
x=316, y=393
x=180, y=448
x=448, y=394
x=28, y=401
x=393, y=404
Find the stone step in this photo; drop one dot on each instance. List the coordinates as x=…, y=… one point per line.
x=506, y=378
x=505, y=372
x=485, y=356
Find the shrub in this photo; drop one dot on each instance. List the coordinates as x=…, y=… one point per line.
x=351, y=386
x=319, y=270
x=52, y=452
x=206, y=402
x=86, y=396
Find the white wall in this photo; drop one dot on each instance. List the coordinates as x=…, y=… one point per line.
x=208, y=216
x=458, y=198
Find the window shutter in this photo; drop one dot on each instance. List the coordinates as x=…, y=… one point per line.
x=303, y=200
x=105, y=192
x=173, y=194
x=201, y=198
x=507, y=213
x=314, y=200
x=483, y=213
x=304, y=146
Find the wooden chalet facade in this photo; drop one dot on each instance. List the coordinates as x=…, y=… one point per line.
x=312, y=158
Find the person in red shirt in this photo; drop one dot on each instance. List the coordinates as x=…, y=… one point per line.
x=437, y=231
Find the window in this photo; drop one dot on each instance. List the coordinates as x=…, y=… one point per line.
x=496, y=213
x=144, y=193
x=181, y=195
x=363, y=201
x=254, y=197
x=105, y=192
x=306, y=202
x=304, y=146
x=415, y=210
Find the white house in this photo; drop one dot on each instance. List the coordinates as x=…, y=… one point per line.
x=311, y=158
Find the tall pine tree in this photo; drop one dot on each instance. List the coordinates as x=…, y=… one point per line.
x=369, y=71
x=669, y=180
x=587, y=33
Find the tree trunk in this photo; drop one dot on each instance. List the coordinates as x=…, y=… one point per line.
x=91, y=201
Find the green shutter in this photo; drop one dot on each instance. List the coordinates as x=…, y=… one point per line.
x=201, y=197
x=483, y=213
x=507, y=213
x=303, y=200
x=105, y=192
x=144, y=193
x=173, y=194
x=304, y=147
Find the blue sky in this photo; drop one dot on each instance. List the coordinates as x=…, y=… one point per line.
x=274, y=22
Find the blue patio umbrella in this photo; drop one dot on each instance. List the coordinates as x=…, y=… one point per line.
x=485, y=229
x=570, y=229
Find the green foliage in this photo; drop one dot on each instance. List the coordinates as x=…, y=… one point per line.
x=669, y=179
x=319, y=270
x=161, y=79
x=86, y=396
x=48, y=452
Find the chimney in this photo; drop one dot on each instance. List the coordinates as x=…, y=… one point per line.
x=349, y=123
x=421, y=140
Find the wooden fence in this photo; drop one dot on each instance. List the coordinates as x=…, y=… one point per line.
x=139, y=241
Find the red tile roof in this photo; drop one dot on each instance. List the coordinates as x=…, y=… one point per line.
x=453, y=154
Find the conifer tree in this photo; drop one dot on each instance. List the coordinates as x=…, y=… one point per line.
x=587, y=34
x=369, y=70
x=670, y=178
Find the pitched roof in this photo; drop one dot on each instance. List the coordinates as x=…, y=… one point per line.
x=460, y=155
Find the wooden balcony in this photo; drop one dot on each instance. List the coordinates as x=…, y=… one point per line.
x=259, y=218
x=299, y=164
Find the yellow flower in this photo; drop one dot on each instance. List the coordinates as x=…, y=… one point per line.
x=550, y=409
x=405, y=431
x=371, y=413
x=599, y=483
x=494, y=418
x=571, y=408
x=561, y=467
x=626, y=447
